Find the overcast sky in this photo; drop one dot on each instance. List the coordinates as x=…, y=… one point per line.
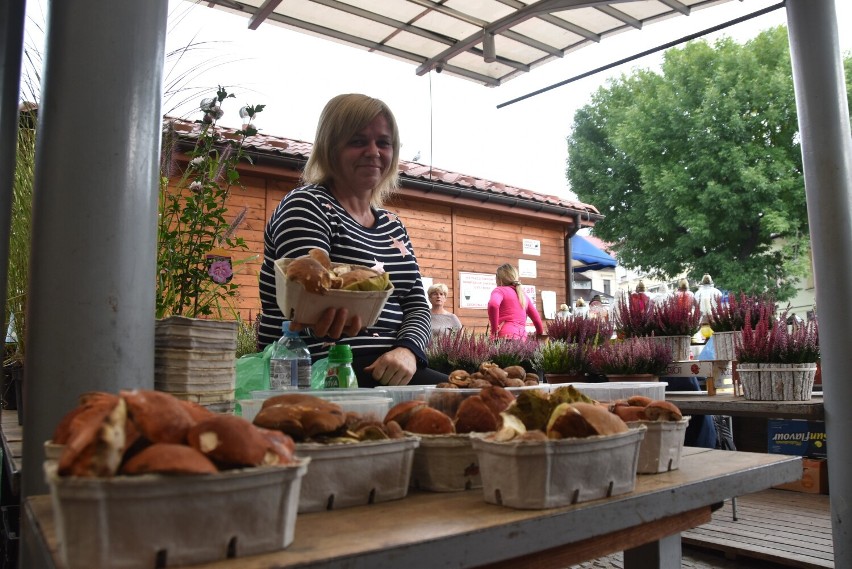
x=450, y=122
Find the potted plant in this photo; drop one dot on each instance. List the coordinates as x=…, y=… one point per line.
x=506, y=352
x=673, y=322
x=459, y=349
x=580, y=329
x=727, y=320
x=194, y=264
x=631, y=359
x=562, y=362
x=633, y=314
x=194, y=267
x=777, y=361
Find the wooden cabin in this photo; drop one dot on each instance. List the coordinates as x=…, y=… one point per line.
x=462, y=227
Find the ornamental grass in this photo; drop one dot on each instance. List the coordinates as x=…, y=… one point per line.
x=730, y=316
x=775, y=341
x=631, y=356
x=580, y=329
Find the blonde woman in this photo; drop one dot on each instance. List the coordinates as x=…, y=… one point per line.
x=442, y=319
x=509, y=306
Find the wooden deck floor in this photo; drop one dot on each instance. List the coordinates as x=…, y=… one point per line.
x=784, y=527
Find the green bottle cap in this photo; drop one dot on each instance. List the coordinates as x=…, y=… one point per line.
x=340, y=353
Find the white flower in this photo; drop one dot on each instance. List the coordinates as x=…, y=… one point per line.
x=196, y=186
x=207, y=104
x=197, y=161
x=244, y=114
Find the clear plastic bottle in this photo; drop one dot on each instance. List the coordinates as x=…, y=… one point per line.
x=290, y=362
x=340, y=373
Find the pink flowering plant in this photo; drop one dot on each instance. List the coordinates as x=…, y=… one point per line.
x=630, y=356
x=675, y=316
x=460, y=349
x=633, y=316
x=775, y=341
x=730, y=315
x=196, y=230
x=580, y=329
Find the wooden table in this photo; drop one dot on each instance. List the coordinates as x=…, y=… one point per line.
x=459, y=530
x=740, y=407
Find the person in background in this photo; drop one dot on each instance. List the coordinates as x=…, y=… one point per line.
x=442, y=319
x=352, y=169
x=640, y=297
x=683, y=293
x=581, y=308
x=707, y=295
x=509, y=306
x=563, y=312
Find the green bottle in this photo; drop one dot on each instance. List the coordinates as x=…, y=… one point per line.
x=340, y=373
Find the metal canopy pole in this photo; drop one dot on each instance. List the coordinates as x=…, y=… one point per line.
x=93, y=261
x=827, y=158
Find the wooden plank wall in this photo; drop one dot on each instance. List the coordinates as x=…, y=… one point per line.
x=447, y=239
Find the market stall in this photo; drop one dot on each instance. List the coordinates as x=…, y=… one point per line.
x=459, y=529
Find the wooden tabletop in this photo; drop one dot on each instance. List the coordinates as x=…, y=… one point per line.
x=12, y=437
x=726, y=404
x=458, y=529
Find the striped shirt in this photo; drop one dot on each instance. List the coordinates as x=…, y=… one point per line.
x=310, y=216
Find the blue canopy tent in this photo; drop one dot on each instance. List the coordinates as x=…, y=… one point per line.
x=587, y=257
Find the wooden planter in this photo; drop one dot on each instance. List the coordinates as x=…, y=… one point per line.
x=679, y=346
x=565, y=377
x=724, y=344
x=777, y=382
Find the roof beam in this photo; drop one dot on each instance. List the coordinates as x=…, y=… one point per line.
x=621, y=16
x=262, y=13
x=542, y=7
x=677, y=6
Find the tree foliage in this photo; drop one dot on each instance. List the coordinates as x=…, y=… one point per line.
x=699, y=168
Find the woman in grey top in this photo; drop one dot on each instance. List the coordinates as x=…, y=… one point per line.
x=442, y=319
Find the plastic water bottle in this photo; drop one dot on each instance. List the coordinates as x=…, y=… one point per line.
x=340, y=373
x=290, y=362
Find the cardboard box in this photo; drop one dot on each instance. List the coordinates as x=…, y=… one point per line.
x=797, y=437
x=662, y=446
x=445, y=463
x=814, y=478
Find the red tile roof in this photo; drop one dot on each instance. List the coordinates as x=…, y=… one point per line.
x=289, y=147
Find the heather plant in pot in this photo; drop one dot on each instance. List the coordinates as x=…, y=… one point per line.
x=777, y=360
x=633, y=316
x=507, y=352
x=580, y=329
x=673, y=322
x=727, y=320
x=459, y=349
x=631, y=358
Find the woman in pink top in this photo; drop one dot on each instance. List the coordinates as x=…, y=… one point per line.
x=509, y=307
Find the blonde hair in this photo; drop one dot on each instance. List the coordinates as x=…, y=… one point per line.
x=439, y=287
x=507, y=275
x=342, y=117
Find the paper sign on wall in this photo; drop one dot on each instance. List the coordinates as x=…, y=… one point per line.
x=548, y=301
x=475, y=289
x=526, y=268
x=532, y=247
x=427, y=282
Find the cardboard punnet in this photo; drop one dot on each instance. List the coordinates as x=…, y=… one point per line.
x=152, y=520
x=549, y=474
x=306, y=307
x=343, y=475
x=662, y=446
x=445, y=463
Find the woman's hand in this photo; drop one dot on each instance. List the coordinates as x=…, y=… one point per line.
x=333, y=323
x=395, y=367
